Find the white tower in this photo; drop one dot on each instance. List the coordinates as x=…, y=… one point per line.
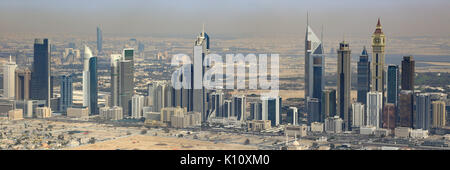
x=9, y=71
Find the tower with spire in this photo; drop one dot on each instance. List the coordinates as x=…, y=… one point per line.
x=363, y=78
x=314, y=63
x=198, y=99
x=378, y=56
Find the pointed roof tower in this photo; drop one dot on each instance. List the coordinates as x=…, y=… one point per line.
x=378, y=29
x=364, y=52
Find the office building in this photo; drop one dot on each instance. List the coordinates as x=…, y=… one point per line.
x=408, y=73
x=111, y=113
x=40, y=77
x=23, y=83
x=374, y=108
x=78, y=112
x=238, y=107
x=378, y=56
x=256, y=110
x=313, y=110
x=439, y=114
x=43, y=112
x=393, y=84
x=9, y=71
x=199, y=93
x=90, y=83
x=358, y=115
x=405, y=109
x=328, y=104
x=137, y=106
x=343, y=83
x=66, y=99
x=389, y=116
x=292, y=116
x=115, y=79
x=15, y=114
x=168, y=112
x=99, y=40
x=313, y=48
x=227, y=108
x=271, y=108
x=363, y=73
x=423, y=111
x=333, y=125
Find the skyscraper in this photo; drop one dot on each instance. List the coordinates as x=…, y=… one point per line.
x=137, y=106
x=40, y=77
x=423, y=111
x=126, y=86
x=358, y=115
x=271, y=108
x=23, y=80
x=343, y=83
x=115, y=81
x=9, y=71
x=378, y=45
x=238, y=107
x=374, y=108
x=217, y=104
x=439, y=113
x=256, y=110
x=201, y=49
x=99, y=40
x=328, y=103
x=292, y=116
x=392, y=84
x=318, y=80
x=90, y=81
x=408, y=73
x=363, y=77
x=66, y=99
x=313, y=48
x=388, y=117
x=313, y=110
x=405, y=109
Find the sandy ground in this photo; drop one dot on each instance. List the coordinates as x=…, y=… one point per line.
x=141, y=142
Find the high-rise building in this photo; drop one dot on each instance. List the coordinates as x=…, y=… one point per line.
x=408, y=73
x=9, y=71
x=217, y=104
x=333, y=125
x=343, y=83
x=227, y=108
x=66, y=99
x=137, y=106
x=99, y=40
x=363, y=81
x=292, y=116
x=405, y=109
x=328, y=104
x=90, y=82
x=378, y=55
x=423, y=111
x=358, y=115
x=389, y=116
x=238, y=107
x=115, y=80
x=40, y=77
x=23, y=80
x=199, y=93
x=313, y=110
x=439, y=114
x=126, y=86
x=313, y=51
x=318, y=77
x=271, y=108
x=393, y=84
x=162, y=95
x=374, y=108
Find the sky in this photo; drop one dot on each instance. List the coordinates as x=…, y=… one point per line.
x=225, y=17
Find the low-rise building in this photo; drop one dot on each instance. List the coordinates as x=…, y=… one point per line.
x=333, y=125
x=367, y=130
x=81, y=112
x=184, y=120
x=402, y=132
x=111, y=113
x=16, y=114
x=297, y=131
x=419, y=133
x=382, y=132
x=317, y=127
x=43, y=112
x=258, y=125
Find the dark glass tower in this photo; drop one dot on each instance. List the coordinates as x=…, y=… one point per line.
x=40, y=77
x=66, y=99
x=392, y=84
x=343, y=84
x=99, y=40
x=408, y=73
x=363, y=82
x=93, y=86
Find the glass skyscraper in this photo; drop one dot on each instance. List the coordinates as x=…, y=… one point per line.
x=40, y=77
x=392, y=84
x=66, y=99
x=363, y=82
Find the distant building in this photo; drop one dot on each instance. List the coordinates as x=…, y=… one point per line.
x=317, y=127
x=419, y=133
x=333, y=125
x=66, y=87
x=343, y=84
x=40, y=77
x=16, y=114
x=367, y=130
x=405, y=109
x=402, y=132
x=389, y=116
x=23, y=82
x=167, y=112
x=378, y=57
x=80, y=112
x=258, y=125
x=313, y=110
x=374, y=108
x=99, y=40
x=408, y=73
x=358, y=115
x=137, y=105
x=423, y=111
x=271, y=108
x=111, y=113
x=256, y=110
x=363, y=82
x=238, y=107
x=296, y=131
x=185, y=119
x=43, y=112
x=9, y=71
x=328, y=103
x=292, y=116
x=439, y=114
x=393, y=80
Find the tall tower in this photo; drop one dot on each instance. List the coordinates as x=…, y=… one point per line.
x=90, y=84
x=201, y=49
x=313, y=52
x=408, y=73
x=40, y=77
x=378, y=45
x=9, y=71
x=363, y=85
x=99, y=40
x=66, y=100
x=343, y=84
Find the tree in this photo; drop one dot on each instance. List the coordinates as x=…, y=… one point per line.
x=247, y=142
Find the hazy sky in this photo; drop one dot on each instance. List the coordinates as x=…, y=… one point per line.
x=226, y=17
